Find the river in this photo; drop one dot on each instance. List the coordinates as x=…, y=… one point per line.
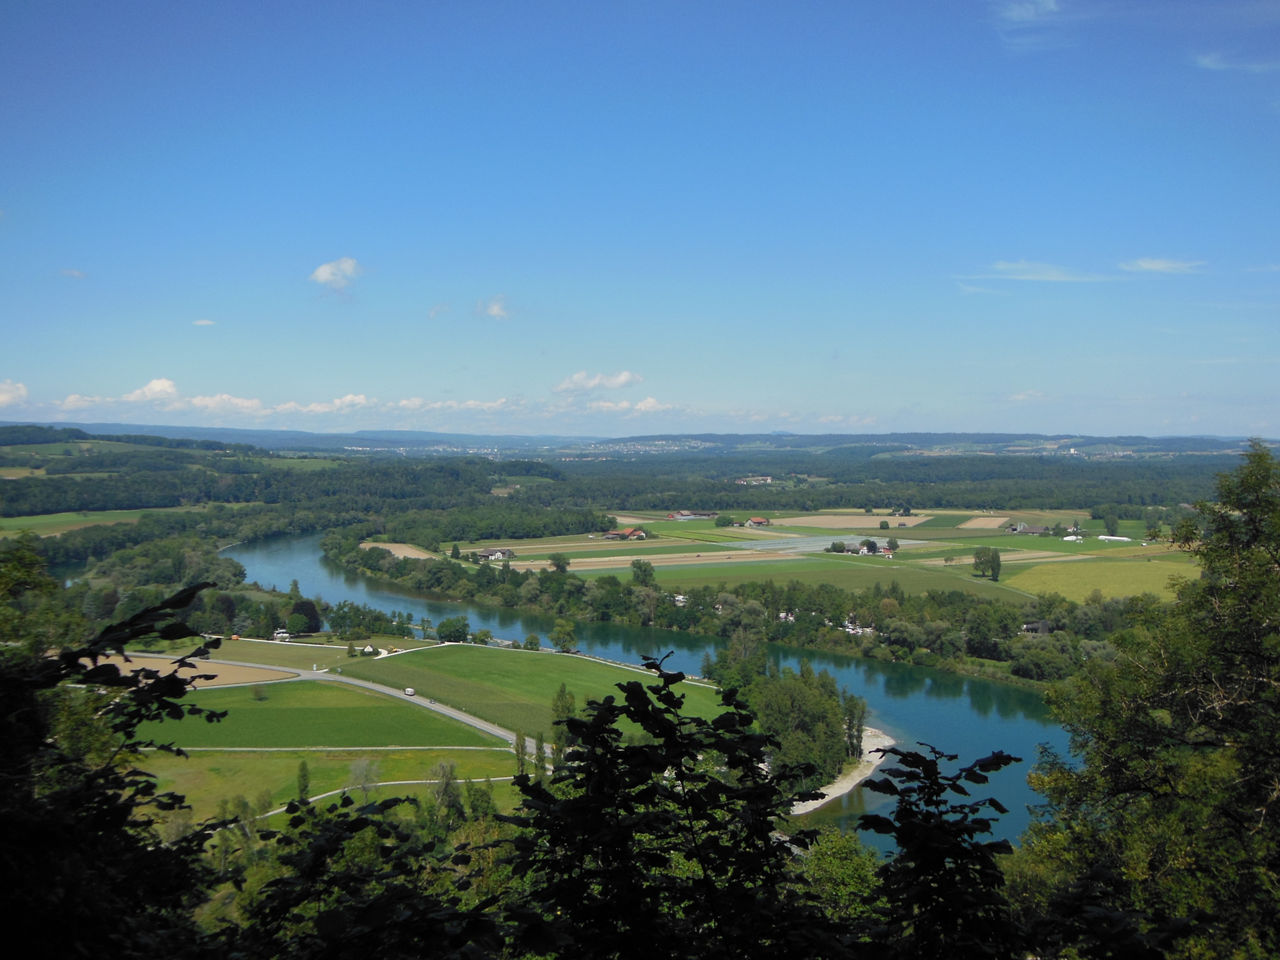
x=960, y=715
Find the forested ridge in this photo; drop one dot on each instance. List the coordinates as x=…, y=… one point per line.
x=93, y=473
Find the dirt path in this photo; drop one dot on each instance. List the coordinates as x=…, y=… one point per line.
x=983, y=523
x=402, y=550
x=224, y=673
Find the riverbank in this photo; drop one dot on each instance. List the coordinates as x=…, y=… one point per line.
x=872, y=740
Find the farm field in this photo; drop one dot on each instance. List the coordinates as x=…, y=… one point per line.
x=298, y=655
x=697, y=553
x=332, y=726
x=511, y=688
x=308, y=713
x=848, y=573
x=51, y=524
x=1124, y=576
x=208, y=776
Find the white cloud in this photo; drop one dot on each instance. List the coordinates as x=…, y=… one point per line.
x=609, y=406
x=72, y=273
x=204, y=323
x=161, y=388
x=650, y=405
x=1216, y=61
x=1032, y=270
x=336, y=274
x=495, y=308
x=1266, y=268
x=1026, y=396
x=11, y=392
x=1157, y=265
x=352, y=401
x=226, y=403
x=78, y=401
x=609, y=381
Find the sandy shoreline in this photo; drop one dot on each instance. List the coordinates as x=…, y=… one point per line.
x=872, y=739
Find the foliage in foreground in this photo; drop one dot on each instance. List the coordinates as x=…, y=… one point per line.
x=1160, y=843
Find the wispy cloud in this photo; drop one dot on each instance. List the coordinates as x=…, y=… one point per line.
x=595, y=381
x=204, y=323
x=1217, y=62
x=418, y=403
x=1029, y=25
x=647, y=405
x=650, y=405
x=1026, y=396
x=970, y=289
x=336, y=274
x=226, y=403
x=73, y=273
x=1266, y=268
x=78, y=401
x=1159, y=265
x=495, y=308
x=352, y=401
x=160, y=389
x=609, y=406
x=12, y=392
x=1035, y=271
x=1025, y=11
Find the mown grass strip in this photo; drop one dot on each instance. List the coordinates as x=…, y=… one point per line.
x=303, y=713
x=511, y=688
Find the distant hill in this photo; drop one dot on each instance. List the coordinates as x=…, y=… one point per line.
x=421, y=443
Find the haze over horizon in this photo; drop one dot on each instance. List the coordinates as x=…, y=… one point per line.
x=1040, y=216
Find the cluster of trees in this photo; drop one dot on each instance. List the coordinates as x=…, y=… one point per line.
x=500, y=521
x=986, y=562
x=813, y=723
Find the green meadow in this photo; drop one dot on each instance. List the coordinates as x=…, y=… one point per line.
x=51, y=524
x=511, y=688
x=305, y=713
x=847, y=572
x=207, y=776
x=1120, y=577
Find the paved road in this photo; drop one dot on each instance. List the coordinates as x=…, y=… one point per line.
x=462, y=717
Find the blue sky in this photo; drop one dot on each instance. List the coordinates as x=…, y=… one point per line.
x=628, y=218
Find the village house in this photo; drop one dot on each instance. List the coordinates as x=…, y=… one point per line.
x=630, y=533
x=497, y=553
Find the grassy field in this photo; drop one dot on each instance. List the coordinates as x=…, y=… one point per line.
x=51, y=524
x=1119, y=577
x=510, y=688
x=206, y=777
x=848, y=573
x=307, y=713
x=917, y=566
x=303, y=655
